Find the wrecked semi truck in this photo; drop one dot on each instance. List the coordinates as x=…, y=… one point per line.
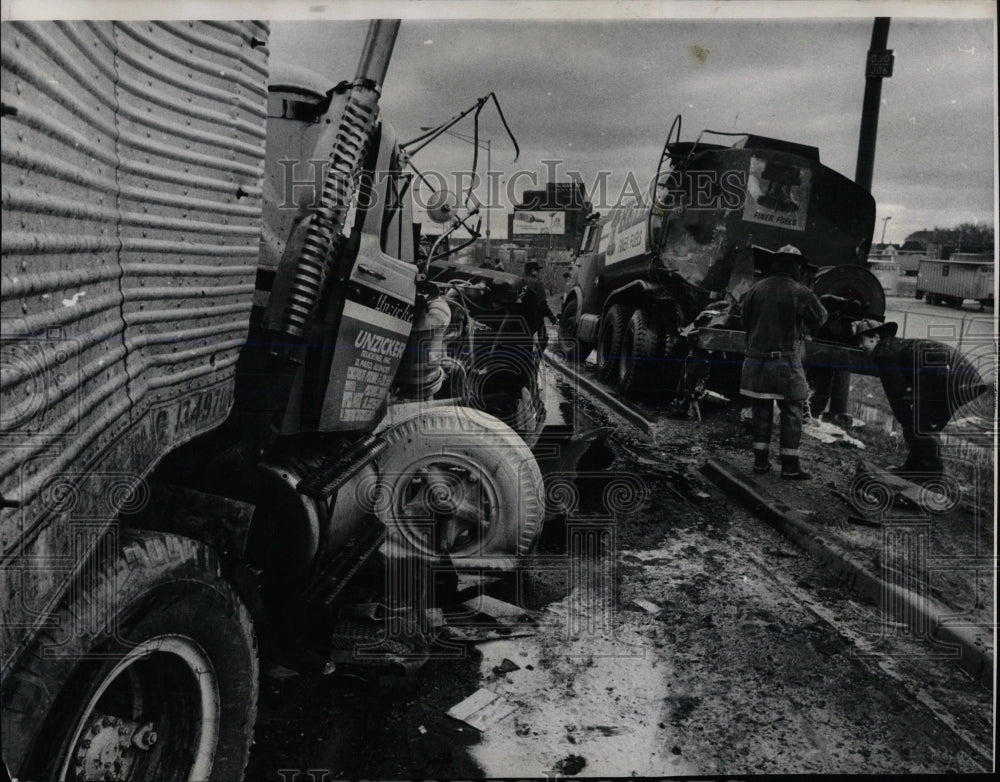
x=648, y=277
x=221, y=395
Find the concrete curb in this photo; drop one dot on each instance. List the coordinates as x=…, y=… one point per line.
x=903, y=605
x=616, y=405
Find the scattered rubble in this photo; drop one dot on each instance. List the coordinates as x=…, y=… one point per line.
x=571, y=765
x=647, y=606
x=830, y=433
x=505, y=667
x=482, y=709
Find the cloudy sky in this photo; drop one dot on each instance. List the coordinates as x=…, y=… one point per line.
x=601, y=95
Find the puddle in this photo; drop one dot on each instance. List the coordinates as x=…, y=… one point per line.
x=592, y=695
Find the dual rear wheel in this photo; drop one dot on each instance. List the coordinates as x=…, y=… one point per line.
x=628, y=348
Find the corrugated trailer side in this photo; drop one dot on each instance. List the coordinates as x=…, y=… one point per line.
x=132, y=156
x=954, y=280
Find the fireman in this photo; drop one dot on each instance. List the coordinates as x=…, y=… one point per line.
x=536, y=305
x=778, y=312
x=925, y=382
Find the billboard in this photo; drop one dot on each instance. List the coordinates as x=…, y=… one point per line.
x=526, y=222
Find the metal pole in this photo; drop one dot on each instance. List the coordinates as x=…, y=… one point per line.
x=489, y=196
x=885, y=221
x=869, y=111
x=375, y=54
x=311, y=274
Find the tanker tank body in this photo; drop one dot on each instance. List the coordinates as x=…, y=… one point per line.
x=645, y=273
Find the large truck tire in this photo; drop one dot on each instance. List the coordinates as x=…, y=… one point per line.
x=639, y=350
x=149, y=672
x=459, y=488
x=569, y=326
x=609, y=341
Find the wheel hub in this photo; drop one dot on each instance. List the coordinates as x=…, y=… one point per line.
x=109, y=747
x=451, y=497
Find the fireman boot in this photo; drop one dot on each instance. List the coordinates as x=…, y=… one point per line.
x=790, y=437
x=763, y=415
x=923, y=463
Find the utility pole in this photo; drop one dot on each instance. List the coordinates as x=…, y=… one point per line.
x=878, y=67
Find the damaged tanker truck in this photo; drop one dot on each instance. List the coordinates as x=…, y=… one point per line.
x=224, y=388
x=653, y=281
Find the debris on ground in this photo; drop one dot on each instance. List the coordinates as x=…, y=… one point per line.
x=830, y=433
x=880, y=489
x=480, y=633
x=500, y=611
x=571, y=765
x=434, y=617
x=482, y=709
x=506, y=666
x=858, y=516
x=466, y=581
x=647, y=606
x=280, y=672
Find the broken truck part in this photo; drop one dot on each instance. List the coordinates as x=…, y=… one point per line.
x=649, y=278
x=226, y=388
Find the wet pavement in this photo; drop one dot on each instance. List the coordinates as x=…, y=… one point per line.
x=677, y=635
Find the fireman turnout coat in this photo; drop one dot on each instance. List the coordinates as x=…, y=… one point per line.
x=778, y=312
x=925, y=382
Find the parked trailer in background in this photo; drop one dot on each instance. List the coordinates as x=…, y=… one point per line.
x=960, y=277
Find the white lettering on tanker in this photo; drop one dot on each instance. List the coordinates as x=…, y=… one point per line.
x=626, y=231
x=370, y=375
x=777, y=194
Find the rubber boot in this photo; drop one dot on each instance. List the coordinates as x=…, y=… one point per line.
x=791, y=470
x=923, y=463
x=763, y=415
x=790, y=437
x=761, y=461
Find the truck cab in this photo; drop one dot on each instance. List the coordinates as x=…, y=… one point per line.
x=689, y=245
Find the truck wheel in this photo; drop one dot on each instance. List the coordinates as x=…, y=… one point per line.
x=160, y=684
x=609, y=341
x=638, y=351
x=459, y=487
x=569, y=324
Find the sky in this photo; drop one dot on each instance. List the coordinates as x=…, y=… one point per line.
x=601, y=96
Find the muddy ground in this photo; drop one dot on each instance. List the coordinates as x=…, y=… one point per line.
x=743, y=655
